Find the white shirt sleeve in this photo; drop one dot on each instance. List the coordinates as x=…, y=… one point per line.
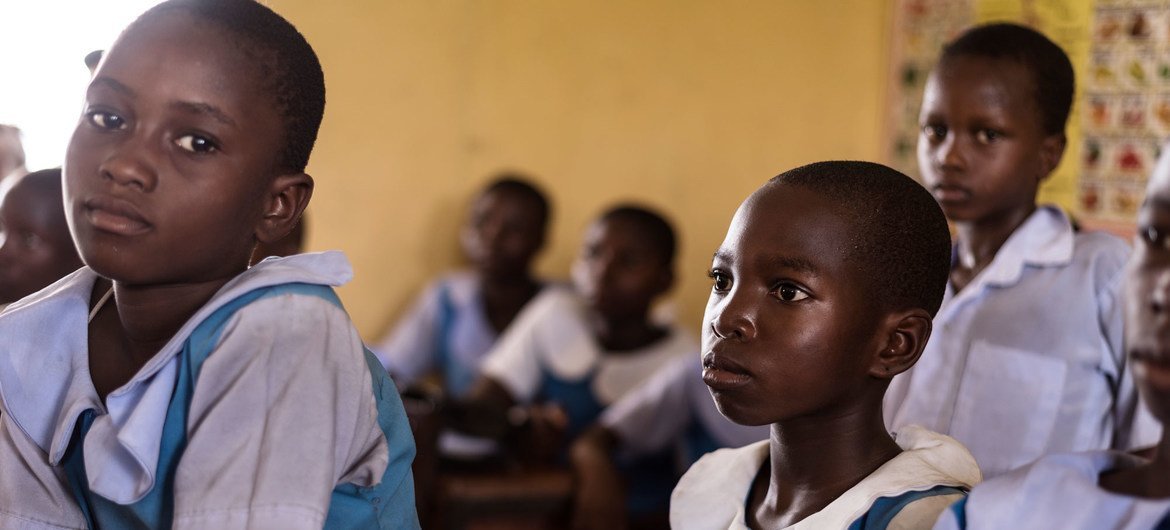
x=282, y=412
x=552, y=327
x=409, y=351
x=657, y=413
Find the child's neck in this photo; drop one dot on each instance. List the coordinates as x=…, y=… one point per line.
x=504, y=297
x=622, y=334
x=813, y=461
x=979, y=241
x=1150, y=481
x=124, y=335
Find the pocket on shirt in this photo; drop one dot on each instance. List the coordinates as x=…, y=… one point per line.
x=1007, y=405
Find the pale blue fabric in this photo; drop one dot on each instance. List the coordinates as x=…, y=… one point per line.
x=1027, y=359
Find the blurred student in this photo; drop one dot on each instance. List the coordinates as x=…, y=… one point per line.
x=35, y=246
x=576, y=352
x=1103, y=490
x=823, y=290
x=1026, y=357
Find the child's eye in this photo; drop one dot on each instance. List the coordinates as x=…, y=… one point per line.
x=195, y=143
x=986, y=136
x=719, y=281
x=1153, y=237
x=106, y=120
x=934, y=132
x=788, y=292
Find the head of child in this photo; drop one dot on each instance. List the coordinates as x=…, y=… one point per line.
x=992, y=122
x=506, y=228
x=823, y=290
x=626, y=261
x=35, y=247
x=1147, y=295
x=192, y=145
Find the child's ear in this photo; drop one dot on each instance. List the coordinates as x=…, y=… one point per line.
x=1051, y=152
x=905, y=335
x=284, y=201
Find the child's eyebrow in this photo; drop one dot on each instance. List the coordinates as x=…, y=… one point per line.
x=205, y=109
x=111, y=83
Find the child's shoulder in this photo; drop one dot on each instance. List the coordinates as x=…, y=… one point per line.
x=713, y=492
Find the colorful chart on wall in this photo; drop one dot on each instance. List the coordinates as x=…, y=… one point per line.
x=1120, y=50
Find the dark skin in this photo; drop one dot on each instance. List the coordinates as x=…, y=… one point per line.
x=619, y=277
x=983, y=153
x=599, y=499
x=175, y=155
x=501, y=238
x=1147, y=292
x=35, y=247
x=792, y=340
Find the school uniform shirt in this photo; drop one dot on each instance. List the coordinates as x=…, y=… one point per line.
x=264, y=410
x=1057, y=491
x=550, y=354
x=674, y=406
x=447, y=329
x=1027, y=359
x=909, y=491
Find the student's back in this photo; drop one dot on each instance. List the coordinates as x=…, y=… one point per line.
x=1026, y=357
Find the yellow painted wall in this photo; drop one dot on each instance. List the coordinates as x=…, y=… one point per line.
x=686, y=105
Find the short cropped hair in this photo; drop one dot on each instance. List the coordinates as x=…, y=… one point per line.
x=284, y=59
x=653, y=227
x=522, y=185
x=1048, y=66
x=900, y=244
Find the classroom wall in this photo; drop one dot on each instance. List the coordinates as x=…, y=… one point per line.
x=686, y=105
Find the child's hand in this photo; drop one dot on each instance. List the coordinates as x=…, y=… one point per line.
x=543, y=434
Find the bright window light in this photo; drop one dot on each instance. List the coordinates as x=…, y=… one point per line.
x=44, y=44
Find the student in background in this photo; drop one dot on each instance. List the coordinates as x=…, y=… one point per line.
x=459, y=317
x=1103, y=490
x=35, y=247
x=823, y=290
x=1026, y=357
x=167, y=384
x=672, y=413
x=575, y=352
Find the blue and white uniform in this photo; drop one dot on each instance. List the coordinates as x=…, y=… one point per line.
x=446, y=330
x=1057, y=491
x=1027, y=359
x=549, y=354
x=263, y=411
x=910, y=491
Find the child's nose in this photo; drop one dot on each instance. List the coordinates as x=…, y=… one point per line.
x=949, y=154
x=130, y=164
x=734, y=319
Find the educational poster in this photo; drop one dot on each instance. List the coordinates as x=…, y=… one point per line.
x=920, y=28
x=1126, y=106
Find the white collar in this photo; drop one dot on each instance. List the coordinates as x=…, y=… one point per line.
x=45, y=382
x=1045, y=239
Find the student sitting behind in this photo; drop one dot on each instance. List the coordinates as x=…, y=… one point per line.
x=35, y=247
x=671, y=412
x=823, y=290
x=166, y=385
x=458, y=318
x=574, y=353
x=1026, y=357
x=1103, y=489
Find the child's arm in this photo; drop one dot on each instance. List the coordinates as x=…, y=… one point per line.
x=408, y=352
x=283, y=412
x=599, y=501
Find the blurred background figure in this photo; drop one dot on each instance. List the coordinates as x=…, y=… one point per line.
x=35, y=246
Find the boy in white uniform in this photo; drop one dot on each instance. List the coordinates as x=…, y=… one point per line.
x=824, y=289
x=1103, y=489
x=1026, y=357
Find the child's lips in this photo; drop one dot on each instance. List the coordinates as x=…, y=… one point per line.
x=950, y=193
x=721, y=373
x=118, y=216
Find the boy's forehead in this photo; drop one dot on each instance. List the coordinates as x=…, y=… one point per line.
x=1159, y=184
